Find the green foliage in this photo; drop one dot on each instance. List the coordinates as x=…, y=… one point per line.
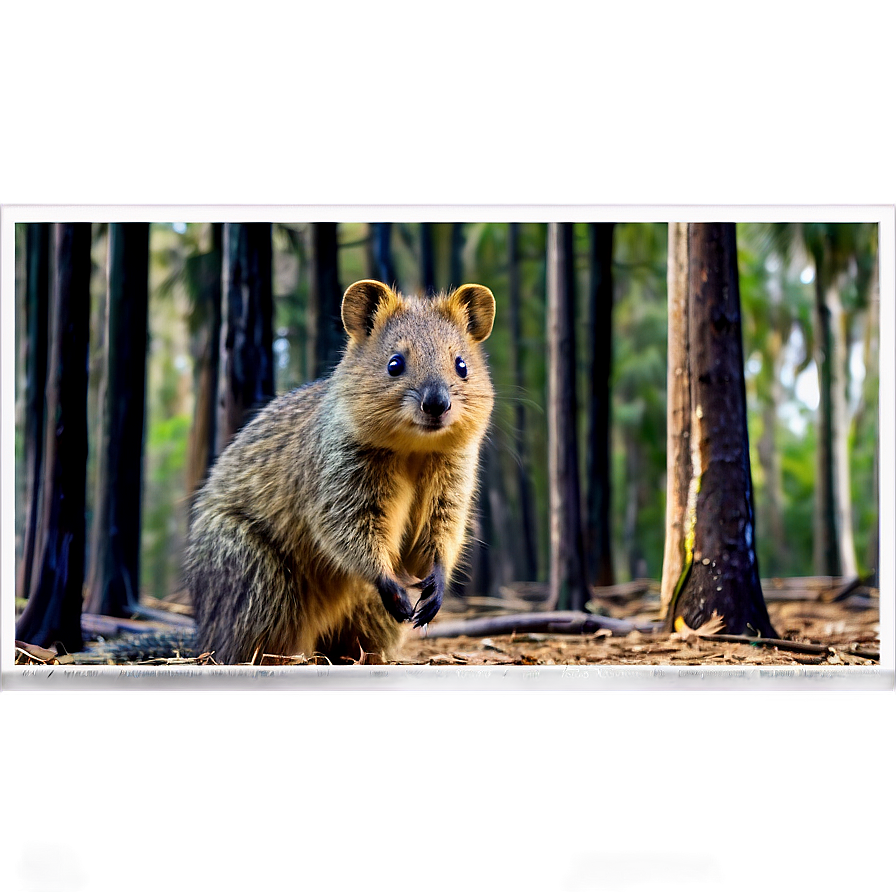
x=164, y=504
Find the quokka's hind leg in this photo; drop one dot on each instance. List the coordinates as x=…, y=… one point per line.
x=244, y=603
x=368, y=632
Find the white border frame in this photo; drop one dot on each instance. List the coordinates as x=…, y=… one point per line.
x=590, y=677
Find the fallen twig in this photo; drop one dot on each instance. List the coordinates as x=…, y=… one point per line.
x=555, y=622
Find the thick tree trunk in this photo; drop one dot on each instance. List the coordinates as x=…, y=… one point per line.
x=600, y=315
x=207, y=355
x=54, y=603
x=325, y=333
x=246, y=366
x=569, y=575
x=114, y=580
x=528, y=556
x=720, y=570
x=37, y=312
x=678, y=415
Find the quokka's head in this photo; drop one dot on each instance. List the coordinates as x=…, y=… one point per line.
x=414, y=376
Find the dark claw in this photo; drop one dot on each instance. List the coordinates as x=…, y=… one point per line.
x=395, y=599
x=433, y=589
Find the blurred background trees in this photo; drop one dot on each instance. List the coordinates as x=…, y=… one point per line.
x=810, y=335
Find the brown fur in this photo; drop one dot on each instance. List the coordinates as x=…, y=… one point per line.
x=338, y=486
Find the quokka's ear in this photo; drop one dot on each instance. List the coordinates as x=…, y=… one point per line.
x=478, y=304
x=360, y=304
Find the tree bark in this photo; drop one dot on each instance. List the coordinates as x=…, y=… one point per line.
x=325, y=333
x=826, y=559
x=384, y=263
x=600, y=308
x=720, y=570
x=53, y=611
x=37, y=311
x=246, y=367
x=456, y=260
x=678, y=415
x=207, y=365
x=528, y=557
x=427, y=259
x=114, y=579
x=840, y=436
x=568, y=572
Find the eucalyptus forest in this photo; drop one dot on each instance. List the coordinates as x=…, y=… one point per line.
x=667, y=395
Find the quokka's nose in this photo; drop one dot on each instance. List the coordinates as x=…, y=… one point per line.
x=436, y=401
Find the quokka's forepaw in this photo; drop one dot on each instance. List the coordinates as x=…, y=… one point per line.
x=395, y=599
x=433, y=590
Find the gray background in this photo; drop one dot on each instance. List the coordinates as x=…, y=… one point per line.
x=440, y=102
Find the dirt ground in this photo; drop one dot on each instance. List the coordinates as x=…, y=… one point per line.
x=848, y=630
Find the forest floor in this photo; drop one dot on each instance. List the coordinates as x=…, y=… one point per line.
x=817, y=623
x=821, y=631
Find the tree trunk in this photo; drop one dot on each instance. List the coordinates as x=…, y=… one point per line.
x=826, y=559
x=427, y=259
x=384, y=263
x=114, y=579
x=246, y=366
x=37, y=312
x=456, y=260
x=871, y=401
x=325, y=333
x=720, y=569
x=771, y=396
x=600, y=312
x=528, y=556
x=840, y=436
x=54, y=603
x=678, y=415
x=569, y=575
x=207, y=364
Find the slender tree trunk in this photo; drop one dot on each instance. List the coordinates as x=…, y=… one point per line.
x=678, y=429
x=53, y=611
x=770, y=395
x=114, y=581
x=384, y=263
x=840, y=436
x=500, y=544
x=37, y=311
x=634, y=475
x=427, y=259
x=770, y=460
x=528, y=556
x=569, y=574
x=325, y=333
x=207, y=354
x=246, y=365
x=481, y=554
x=600, y=309
x=456, y=261
x=871, y=401
x=826, y=558
x=720, y=569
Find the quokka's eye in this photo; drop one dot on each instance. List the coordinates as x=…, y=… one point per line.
x=461, y=367
x=395, y=365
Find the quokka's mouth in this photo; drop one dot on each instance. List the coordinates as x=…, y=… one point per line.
x=431, y=425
